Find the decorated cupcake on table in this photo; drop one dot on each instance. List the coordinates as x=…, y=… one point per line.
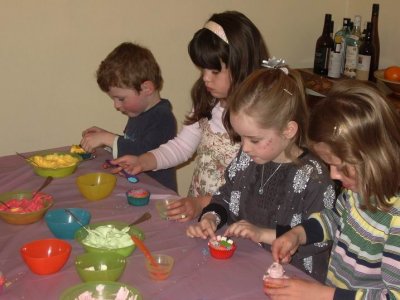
x=222, y=247
x=138, y=196
x=77, y=149
x=275, y=271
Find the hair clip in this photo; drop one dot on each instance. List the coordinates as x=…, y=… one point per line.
x=285, y=90
x=337, y=130
x=275, y=63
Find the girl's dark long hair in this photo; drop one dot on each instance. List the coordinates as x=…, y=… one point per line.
x=243, y=54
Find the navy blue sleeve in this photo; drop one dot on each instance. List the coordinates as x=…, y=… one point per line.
x=341, y=294
x=148, y=131
x=313, y=230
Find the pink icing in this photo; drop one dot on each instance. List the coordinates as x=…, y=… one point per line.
x=138, y=193
x=275, y=271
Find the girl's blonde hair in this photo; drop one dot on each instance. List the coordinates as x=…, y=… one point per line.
x=273, y=98
x=362, y=129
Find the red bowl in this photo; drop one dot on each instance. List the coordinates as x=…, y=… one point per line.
x=46, y=256
x=222, y=254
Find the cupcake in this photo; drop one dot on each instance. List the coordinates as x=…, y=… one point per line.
x=222, y=247
x=76, y=149
x=274, y=271
x=138, y=196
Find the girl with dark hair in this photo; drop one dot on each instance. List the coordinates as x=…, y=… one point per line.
x=226, y=50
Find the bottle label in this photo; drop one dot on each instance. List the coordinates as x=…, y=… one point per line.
x=321, y=61
x=351, y=61
x=338, y=48
x=363, y=66
x=335, y=65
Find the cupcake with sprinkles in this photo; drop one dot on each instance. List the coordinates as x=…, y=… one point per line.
x=138, y=196
x=76, y=149
x=222, y=247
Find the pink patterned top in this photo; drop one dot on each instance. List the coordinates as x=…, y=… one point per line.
x=214, y=152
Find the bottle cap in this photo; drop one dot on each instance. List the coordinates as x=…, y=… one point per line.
x=375, y=8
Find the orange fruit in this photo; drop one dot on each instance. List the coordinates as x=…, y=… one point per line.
x=392, y=73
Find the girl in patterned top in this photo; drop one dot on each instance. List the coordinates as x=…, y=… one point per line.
x=356, y=132
x=274, y=183
x=226, y=50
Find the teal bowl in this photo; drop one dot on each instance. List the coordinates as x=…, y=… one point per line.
x=81, y=233
x=63, y=225
x=100, y=290
x=100, y=266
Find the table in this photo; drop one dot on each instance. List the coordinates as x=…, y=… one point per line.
x=196, y=275
x=317, y=86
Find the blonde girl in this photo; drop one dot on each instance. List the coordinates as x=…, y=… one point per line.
x=356, y=132
x=274, y=183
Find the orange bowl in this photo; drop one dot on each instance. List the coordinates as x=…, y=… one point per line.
x=46, y=256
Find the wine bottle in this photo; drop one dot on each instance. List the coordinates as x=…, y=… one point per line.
x=323, y=47
x=352, y=45
x=364, y=55
x=375, y=42
x=337, y=54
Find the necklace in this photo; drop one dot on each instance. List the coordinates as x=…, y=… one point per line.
x=261, y=189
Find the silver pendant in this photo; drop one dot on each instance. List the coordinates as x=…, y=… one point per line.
x=261, y=190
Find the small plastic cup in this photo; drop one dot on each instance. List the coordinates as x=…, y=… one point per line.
x=163, y=268
x=161, y=206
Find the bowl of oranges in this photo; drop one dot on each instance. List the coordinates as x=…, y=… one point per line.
x=391, y=78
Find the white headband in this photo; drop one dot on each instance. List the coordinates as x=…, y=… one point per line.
x=216, y=29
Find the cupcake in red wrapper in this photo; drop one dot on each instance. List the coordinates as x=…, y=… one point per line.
x=138, y=196
x=275, y=271
x=222, y=247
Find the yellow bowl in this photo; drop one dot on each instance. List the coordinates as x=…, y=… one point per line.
x=22, y=218
x=54, y=171
x=96, y=186
x=394, y=86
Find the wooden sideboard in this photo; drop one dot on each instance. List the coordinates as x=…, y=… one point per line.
x=317, y=86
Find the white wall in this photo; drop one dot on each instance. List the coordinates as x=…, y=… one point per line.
x=50, y=50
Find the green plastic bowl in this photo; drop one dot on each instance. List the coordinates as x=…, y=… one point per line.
x=81, y=233
x=22, y=218
x=100, y=266
x=54, y=172
x=99, y=290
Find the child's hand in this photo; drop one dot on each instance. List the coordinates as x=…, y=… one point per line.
x=183, y=209
x=130, y=163
x=96, y=137
x=286, y=245
x=246, y=230
x=294, y=288
x=92, y=129
x=204, y=229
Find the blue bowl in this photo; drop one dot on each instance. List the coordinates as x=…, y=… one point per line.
x=63, y=225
